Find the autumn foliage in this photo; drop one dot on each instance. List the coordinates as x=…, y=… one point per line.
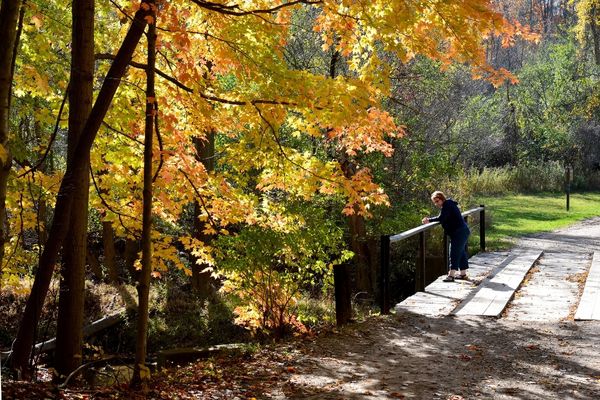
x=282, y=134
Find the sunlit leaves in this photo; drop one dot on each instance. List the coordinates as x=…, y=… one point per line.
x=450, y=31
x=226, y=74
x=265, y=268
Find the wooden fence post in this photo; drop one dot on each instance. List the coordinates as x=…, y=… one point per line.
x=466, y=218
x=385, y=274
x=420, y=273
x=343, y=304
x=446, y=253
x=482, y=228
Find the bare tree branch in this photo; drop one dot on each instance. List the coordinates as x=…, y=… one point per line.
x=53, y=137
x=210, y=218
x=236, y=10
x=204, y=95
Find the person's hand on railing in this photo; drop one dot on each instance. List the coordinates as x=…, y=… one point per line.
x=425, y=220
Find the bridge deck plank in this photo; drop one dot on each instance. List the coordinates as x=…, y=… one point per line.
x=589, y=305
x=495, y=293
x=440, y=298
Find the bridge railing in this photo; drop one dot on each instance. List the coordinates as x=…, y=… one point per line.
x=420, y=273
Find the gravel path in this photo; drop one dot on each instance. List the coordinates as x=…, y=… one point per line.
x=409, y=356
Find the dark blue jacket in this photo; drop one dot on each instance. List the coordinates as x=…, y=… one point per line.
x=450, y=217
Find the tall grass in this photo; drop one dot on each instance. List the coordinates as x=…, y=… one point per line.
x=525, y=178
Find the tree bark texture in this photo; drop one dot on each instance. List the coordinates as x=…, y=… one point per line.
x=9, y=16
x=110, y=258
x=69, y=337
x=75, y=173
x=141, y=373
x=93, y=262
x=201, y=281
x=132, y=248
x=365, y=274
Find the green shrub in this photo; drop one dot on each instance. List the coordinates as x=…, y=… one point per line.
x=268, y=269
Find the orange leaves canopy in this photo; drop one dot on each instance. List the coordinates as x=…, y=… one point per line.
x=224, y=72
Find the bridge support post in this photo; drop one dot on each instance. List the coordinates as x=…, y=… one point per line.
x=343, y=303
x=446, y=253
x=420, y=273
x=482, y=228
x=385, y=274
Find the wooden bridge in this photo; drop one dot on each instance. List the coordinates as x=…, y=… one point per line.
x=549, y=277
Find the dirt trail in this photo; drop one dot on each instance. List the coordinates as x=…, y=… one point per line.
x=410, y=356
x=414, y=357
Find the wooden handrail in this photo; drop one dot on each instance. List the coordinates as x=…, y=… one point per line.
x=411, y=232
x=387, y=240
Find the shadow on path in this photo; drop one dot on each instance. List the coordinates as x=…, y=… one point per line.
x=414, y=357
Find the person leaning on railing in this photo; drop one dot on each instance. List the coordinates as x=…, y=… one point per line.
x=455, y=226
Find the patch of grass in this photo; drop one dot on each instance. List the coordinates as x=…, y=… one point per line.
x=315, y=313
x=514, y=216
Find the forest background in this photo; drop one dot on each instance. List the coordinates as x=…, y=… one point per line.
x=232, y=155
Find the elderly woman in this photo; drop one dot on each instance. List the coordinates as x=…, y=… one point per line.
x=454, y=226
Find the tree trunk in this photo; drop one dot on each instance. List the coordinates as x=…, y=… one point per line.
x=201, y=281
x=91, y=259
x=69, y=338
x=511, y=130
x=132, y=247
x=110, y=259
x=365, y=274
x=42, y=206
x=24, y=341
x=9, y=16
x=365, y=271
x=141, y=373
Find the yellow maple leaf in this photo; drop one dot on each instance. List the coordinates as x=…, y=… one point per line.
x=3, y=154
x=37, y=20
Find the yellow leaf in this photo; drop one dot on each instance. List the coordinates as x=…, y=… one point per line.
x=3, y=154
x=144, y=372
x=37, y=20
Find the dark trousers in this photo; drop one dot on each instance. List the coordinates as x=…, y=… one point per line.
x=458, y=252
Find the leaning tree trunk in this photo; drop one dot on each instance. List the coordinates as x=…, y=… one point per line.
x=74, y=174
x=69, y=337
x=141, y=373
x=9, y=15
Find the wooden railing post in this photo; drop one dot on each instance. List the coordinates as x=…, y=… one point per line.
x=446, y=252
x=421, y=269
x=482, y=228
x=420, y=273
x=385, y=274
x=466, y=218
x=342, y=293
